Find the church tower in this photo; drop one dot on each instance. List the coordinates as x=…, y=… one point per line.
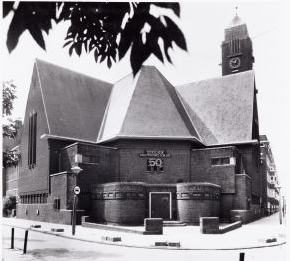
x=237, y=51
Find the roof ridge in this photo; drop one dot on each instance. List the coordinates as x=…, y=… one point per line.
x=189, y=124
x=71, y=70
x=215, y=78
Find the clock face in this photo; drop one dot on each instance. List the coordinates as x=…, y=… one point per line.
x=235, y=62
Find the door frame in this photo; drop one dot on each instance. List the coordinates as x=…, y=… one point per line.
x=170, y=202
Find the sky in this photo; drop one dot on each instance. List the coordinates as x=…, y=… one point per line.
x=203, y=25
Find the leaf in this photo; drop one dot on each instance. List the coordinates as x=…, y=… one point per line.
x=16, y=28
x=7, y=7
x=78, y=48
x=71, y=48
x=103, y=58
x=109, y=62
x=175, y=32
x=139, y=55
x=36, y=33
x=157, y=52
x=67, y=43
x=96, y=55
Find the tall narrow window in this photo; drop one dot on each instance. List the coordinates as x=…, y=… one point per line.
x=32, y=139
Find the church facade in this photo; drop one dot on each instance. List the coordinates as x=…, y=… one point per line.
x=146, y=148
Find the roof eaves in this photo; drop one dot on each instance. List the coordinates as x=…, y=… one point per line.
x=234, y=143
x=56, y=137
x=190, y=138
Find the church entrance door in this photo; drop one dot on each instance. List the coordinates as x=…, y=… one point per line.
x=160, y=205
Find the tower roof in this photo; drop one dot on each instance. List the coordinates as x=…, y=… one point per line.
x=236, y=29
x=235, y=22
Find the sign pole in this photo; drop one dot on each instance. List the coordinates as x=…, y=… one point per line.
x=74, y=215
x=76, y=190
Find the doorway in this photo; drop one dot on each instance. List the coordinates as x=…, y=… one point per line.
x=160, y=205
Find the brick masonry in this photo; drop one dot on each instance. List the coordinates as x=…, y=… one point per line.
x=121, y=203
x=202, y=169
x=196, y=200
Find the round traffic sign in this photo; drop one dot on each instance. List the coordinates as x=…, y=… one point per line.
x=76, y=190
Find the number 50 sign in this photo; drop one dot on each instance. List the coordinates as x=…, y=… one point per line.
x=155, y=163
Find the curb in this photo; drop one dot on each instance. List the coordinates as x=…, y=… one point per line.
x=145, y=247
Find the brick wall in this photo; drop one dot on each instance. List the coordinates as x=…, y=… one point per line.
x=99, y=164
x=243, y=192
x=46, y=213
x=133, y=167
x=195, y=200
x=122, y=203
x=36, y=179
x=251, y=159
x=202, y=169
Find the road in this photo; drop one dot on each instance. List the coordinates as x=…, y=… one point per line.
x=46, y=247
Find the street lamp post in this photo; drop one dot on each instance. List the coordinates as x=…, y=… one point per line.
x=76, y=190
x=280, y=213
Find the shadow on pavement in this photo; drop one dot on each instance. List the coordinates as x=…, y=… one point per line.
x=22, y=239
x=69, y=254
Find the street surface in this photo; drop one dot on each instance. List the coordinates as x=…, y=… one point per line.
x=49, y=247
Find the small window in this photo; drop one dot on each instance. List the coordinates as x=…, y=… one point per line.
x=225, y=161
x=215, y=161
x=220, y=161
x=91, y=159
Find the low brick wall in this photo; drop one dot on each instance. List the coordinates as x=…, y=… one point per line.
x=195, y=200
x=208, y=223
x=119, y=202
x=153, y=225
x=46, y=213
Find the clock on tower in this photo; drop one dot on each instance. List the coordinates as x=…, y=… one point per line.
x=237, y=51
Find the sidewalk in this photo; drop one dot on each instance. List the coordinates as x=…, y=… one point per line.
x=253, y=235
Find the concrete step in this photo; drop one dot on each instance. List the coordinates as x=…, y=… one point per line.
x=173, y=223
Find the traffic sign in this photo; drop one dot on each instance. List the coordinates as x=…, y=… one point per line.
x=76, y=190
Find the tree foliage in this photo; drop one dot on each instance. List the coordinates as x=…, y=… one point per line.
x=9, y=203
x=8, y=89
x=9, y=128
x=11, y=158
x=106, y=29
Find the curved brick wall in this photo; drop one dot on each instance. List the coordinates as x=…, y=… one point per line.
x=119, y=202
x=198, y=199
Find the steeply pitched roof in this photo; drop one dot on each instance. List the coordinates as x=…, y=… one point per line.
x=221, y=108
x=74, y=103
x=214, y=111
x=147, y=106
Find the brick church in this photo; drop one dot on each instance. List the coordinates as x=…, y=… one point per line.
x=146, y=148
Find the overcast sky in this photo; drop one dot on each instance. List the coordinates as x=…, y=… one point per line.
x=203, y=26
